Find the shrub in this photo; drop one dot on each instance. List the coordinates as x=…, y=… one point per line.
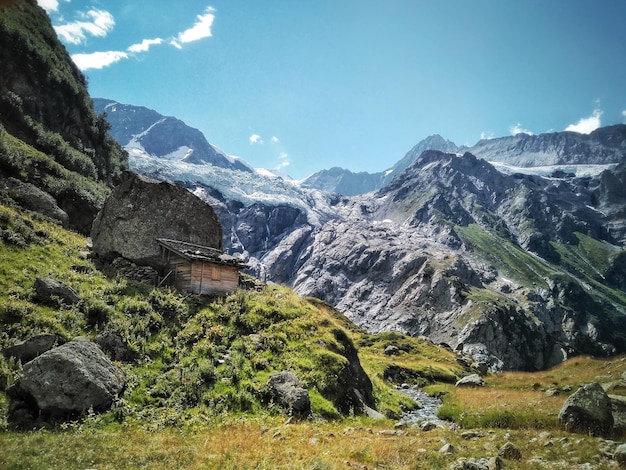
x=169, y=305
x=96, y=311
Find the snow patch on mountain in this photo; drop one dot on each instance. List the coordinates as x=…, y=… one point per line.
x=549, y=170
x=247, y=188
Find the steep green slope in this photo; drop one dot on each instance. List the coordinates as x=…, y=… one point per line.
x=45, y=109
x=192, y=357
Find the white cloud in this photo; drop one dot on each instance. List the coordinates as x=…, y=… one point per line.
x=587, y=125
x=96, y=23
x=518, y=129
x=275, y=139
x=256, y=139
x=48, y=5
x=283, y=161
x=200, y=30
x=98, y=60
x=486, y=135
x=144, y=45
x=624, y=114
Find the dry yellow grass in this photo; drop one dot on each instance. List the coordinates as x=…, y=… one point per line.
x=250, y=444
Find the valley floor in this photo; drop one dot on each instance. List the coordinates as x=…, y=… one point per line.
x=251, y=444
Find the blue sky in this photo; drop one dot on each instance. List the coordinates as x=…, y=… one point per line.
x=304, y=85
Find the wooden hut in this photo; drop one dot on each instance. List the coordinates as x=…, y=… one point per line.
x=199, y=269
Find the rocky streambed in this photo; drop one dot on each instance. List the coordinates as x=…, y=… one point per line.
x=427, y=414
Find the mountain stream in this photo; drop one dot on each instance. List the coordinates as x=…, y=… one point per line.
x=428, y=412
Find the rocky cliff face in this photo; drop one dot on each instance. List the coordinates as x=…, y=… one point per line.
x=143, y=130
x=519, y=270
x=497, y=265
x=606, y=145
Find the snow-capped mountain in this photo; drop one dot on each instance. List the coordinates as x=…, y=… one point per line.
x=524, y=268
x=543, y=154
x=145, y=132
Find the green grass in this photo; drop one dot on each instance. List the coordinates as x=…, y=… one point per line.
x=196, y=356
x=196, y=395
x=506, y=256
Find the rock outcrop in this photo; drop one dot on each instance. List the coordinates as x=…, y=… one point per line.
x=46, y=289
x=28, y=350
x=140, y=210
x=588, y=411
x=63, y=382
x=32, y=198
x=287, y=391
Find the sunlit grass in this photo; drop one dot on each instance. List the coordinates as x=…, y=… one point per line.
x=273, y=444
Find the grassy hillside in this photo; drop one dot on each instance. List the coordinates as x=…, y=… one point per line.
x=195, y=356
x=50, y=135
x=196, y=393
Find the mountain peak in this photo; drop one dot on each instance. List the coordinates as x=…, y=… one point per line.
x=141, y=130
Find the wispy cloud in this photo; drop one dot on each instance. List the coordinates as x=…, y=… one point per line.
x=99, y=23
x=144, y=45
x=98, y=60
x=255, y=139
x=200, y=30
x=275, y=139
x=624, y=114
x=486, y=135
x=518, y=129
x=96, y=23
x=587, y=125
x=283, y=161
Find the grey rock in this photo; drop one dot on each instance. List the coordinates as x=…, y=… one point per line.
x=473, y=380
x=510, y=452
x=620, y=455
x=28, y=350
x=618, y=410
x=447, y=449
x=68, y=380
x=392, y=350
x=286, y=390
x=46, y=289
x=32, y=198
x=587, y=411
x=493, y=463
x=140, y=210
x=114, y=346
x=469, y=435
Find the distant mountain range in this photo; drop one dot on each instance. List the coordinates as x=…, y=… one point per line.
x=567, y=152
x=521, y=266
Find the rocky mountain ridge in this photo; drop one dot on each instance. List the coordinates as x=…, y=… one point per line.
x=507, y=267
x=143, y=131
x=545, y=154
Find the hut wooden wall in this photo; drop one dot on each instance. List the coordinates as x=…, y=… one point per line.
x=213, y=279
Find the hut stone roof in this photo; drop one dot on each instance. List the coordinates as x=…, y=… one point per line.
x=193, y=252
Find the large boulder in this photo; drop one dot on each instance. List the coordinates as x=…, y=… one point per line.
x=587, y=411
x=46, y=289
x=65, y=381
x=140, y=210
x=287, y=391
